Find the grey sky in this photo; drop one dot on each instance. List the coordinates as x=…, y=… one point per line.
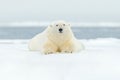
x=71, y=10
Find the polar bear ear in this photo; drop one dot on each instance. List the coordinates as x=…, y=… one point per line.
x=69, y=24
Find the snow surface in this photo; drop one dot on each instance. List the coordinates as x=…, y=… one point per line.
x=99, y=61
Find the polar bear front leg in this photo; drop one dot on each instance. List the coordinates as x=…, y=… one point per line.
x=49, y=48
x=68, y=47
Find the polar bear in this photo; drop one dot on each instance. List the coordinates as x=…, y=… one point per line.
x=57, y=37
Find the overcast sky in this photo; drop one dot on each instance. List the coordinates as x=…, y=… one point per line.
x=49, y=10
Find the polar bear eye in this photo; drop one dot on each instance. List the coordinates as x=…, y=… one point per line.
x=63, y=24
x=56, y=24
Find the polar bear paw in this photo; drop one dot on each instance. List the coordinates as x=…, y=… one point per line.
x=48, y=52
x=67, y=51
x=49, y=48
x=68, y=48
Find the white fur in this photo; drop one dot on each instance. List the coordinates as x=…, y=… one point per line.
x=51, y=41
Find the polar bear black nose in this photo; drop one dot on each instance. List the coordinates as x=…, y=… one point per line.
x=60, y=29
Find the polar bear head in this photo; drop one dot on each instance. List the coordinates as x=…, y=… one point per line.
x=60, y=27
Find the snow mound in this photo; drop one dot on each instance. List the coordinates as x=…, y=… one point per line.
x=99, y=61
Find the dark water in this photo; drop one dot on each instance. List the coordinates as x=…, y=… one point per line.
x=80, y=32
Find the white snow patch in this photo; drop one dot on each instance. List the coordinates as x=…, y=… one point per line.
x=99, y=61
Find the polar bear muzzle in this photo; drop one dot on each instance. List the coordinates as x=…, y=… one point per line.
x=60, y=30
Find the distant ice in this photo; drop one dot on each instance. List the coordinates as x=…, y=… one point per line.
x=99, y=61
x=76, y=24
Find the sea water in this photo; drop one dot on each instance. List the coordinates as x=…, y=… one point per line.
x=79, y=32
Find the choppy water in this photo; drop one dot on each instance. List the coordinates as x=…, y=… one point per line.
x=80, y=32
